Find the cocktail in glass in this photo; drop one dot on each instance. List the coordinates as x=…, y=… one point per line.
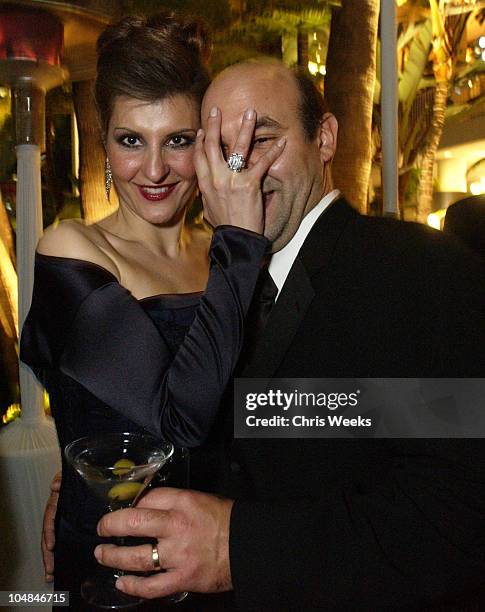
x=117, y=468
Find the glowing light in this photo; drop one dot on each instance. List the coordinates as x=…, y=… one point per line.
x=470, y=83
x=13, y=412
x=435, y=219
x=478, y=187
x=47, y=403
x=8, y=277
x=322, y=70
x=481, y=42
x=452, y=173
x=312, y=68
x=483, y=56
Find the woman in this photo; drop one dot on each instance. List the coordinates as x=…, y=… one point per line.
x=119, y=330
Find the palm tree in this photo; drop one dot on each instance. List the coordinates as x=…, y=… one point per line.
x=415, y=96
x=349, y=89
x=422, y=96
x=447, y=33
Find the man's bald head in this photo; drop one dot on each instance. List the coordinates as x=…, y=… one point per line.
x=311, y=105
x=300, y=176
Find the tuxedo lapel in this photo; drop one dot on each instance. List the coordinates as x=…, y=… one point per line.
x=297, y=293
x=317, y=250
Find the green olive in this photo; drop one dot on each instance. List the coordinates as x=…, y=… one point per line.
x=124, y=491
x=123, y=466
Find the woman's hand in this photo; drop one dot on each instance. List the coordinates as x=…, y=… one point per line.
x=230, y=197
x=48, y=528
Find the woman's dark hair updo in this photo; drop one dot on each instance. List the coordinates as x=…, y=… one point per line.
x=151, y=58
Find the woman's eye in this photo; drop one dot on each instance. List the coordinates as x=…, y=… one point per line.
x=130, y=141
x=180, y=140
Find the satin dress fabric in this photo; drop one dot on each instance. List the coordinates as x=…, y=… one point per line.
x=112, y=363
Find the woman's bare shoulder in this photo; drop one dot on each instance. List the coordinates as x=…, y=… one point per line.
x=74, y=239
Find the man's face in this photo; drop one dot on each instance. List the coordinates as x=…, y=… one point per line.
x=294, y=183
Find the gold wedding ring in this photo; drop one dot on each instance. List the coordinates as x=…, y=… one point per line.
x=155, y=558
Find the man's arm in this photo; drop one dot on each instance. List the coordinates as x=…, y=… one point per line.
x=394, y=548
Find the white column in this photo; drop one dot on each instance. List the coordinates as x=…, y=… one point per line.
x=29, y=229
x=389, y=106
x=29, y=451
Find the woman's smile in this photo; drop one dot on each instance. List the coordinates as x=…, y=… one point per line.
x=156, y=193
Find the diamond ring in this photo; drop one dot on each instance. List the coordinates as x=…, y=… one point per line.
x=236, y=162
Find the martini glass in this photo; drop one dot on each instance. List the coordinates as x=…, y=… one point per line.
x=117, y=468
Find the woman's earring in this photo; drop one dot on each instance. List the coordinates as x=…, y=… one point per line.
x=108, y=177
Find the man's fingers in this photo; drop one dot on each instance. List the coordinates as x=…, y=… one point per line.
x=139, y=558
x=49, y=538
x=48, y=527
x=245, y=136
x=48, y=557
x=129, y=558
x=48, y=560
x=158, y=585
x=264, y=162
x=48, y=524
x=142, y=522
x=163, y=498
x=56, y=483
x=212, y=141
x=48, y=530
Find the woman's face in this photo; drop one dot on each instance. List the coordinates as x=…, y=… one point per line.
x=150, y=146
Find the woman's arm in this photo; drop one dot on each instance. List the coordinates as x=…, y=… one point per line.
x=85, y=324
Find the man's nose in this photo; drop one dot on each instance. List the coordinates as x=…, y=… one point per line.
x=155, y=165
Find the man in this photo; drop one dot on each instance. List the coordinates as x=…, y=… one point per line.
x=465, y=219
x=343, y=524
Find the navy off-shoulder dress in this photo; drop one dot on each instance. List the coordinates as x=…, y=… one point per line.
x=112, y=363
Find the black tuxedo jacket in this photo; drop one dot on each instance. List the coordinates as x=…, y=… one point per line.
x=364, y=524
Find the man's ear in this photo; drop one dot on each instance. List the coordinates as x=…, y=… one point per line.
x=327, y=137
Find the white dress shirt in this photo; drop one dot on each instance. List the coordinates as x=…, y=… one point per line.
x=281, y=262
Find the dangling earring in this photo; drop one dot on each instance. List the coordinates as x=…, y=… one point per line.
x=108, y=177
